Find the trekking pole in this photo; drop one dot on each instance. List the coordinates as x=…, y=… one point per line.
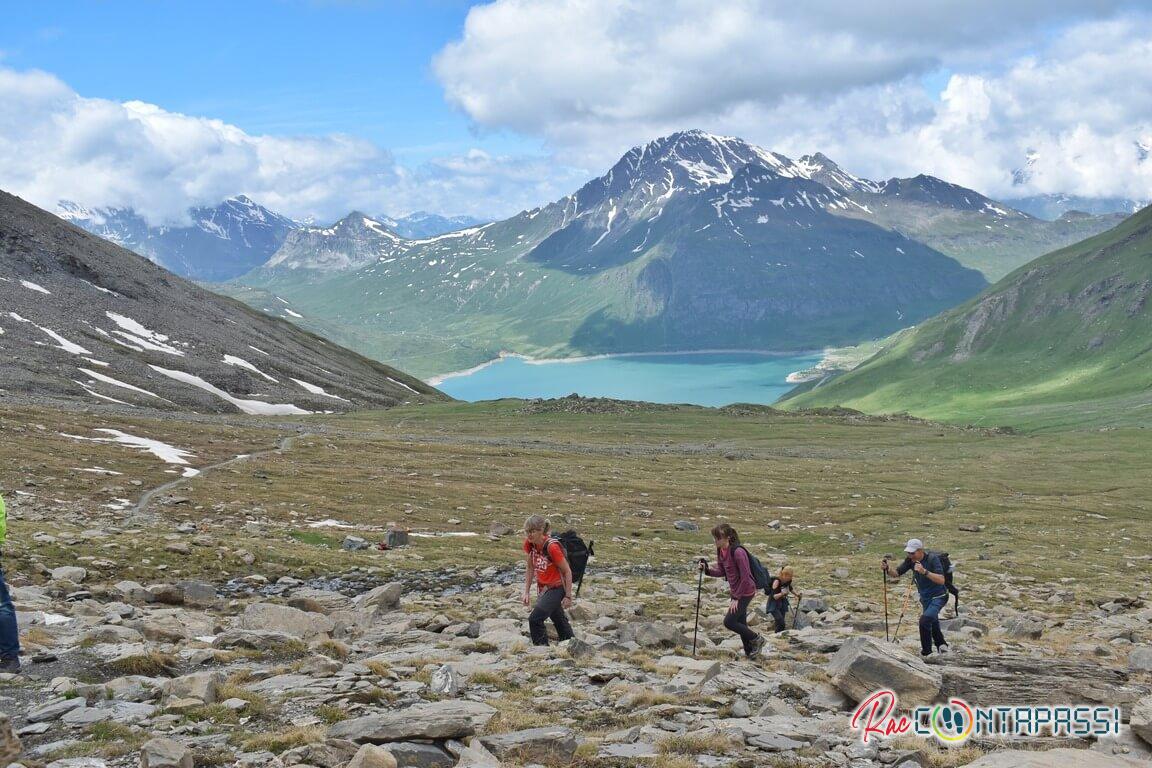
x=796, y=610
x=699, y=588
x=903, y=607
x=884, y=576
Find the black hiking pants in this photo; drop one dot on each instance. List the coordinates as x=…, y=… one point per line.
x=778, y=610
x=548, y=607
x=737, y=622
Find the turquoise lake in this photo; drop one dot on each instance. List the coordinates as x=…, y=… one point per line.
x=697, y=378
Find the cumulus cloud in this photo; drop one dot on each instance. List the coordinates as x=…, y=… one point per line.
x=594, y=77
x=56, y=144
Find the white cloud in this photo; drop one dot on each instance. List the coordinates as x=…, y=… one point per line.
x=56, y=144
x=1070, y=79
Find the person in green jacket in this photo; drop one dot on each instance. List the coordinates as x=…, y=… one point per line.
x=9, y=635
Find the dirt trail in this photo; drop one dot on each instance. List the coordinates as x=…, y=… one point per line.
x=284, y=446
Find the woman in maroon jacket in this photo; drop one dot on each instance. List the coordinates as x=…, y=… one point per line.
x=732, y=564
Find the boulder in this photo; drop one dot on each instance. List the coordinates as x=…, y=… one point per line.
x=685, y=525
x=71, y=573
x=319, y=601
x=553, y=746
x=411, y=754
x=1140, y=659
x=1024, y=627
x=9, y=744
x=1141, y=719
x=132, y=592
x=198, y=594
x=354, y=543
x=165, y=753
x=472, y=755
x=445, y=682
x=435, y=720
x=372, y=756
x=864, y=665
x=201, y=685
x=1053, y=758
x=252, y=639
x=383, y=598
x=290, y=621
x=652, y=634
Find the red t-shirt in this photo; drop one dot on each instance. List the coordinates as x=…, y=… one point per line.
x=547, y=574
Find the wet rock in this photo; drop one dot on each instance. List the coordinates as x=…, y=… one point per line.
x=863, y=665
x=165, y=753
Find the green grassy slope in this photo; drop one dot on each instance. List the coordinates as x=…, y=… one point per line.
x=1063, y=341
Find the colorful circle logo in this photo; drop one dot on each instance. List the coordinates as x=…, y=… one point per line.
x=952, y=723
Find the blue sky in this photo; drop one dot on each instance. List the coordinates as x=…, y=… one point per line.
x=318, y=107
x=283, y=67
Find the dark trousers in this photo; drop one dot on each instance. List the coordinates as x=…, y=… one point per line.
x=778, y=610
x=737, y=622
x=548, y=607
x=9, y=635
x=930, y=624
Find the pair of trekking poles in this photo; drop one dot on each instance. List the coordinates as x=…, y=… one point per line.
x=903, y=607
x=699, y=591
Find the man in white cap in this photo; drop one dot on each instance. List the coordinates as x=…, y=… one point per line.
x=929, y=575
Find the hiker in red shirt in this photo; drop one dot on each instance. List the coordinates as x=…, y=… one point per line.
x=732, y=564
x=546, y=561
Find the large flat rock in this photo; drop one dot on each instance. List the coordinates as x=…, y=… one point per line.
x=864, y=665
x=440, y=720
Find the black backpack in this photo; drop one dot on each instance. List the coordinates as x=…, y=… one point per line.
x=759, y=573
x=946, y=564
x=576, y=552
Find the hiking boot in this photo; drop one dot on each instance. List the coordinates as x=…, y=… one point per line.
x=10, y=665
x=757, y=646
x=925, y=654
x=942, y=649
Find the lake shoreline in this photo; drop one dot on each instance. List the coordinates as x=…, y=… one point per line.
x=437, y=380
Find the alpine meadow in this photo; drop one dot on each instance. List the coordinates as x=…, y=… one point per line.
x=594, y=383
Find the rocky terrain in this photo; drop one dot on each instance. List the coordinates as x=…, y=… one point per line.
x=243, y=619
x=89, y=321
x=258, y=672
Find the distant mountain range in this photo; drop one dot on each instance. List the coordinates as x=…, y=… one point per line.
x=690, y=242
x=225, y=241
x=1052, y=207
x=89, y=321
x=1064, y=340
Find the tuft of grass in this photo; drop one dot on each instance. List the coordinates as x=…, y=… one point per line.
x=283, y=740
x=258, y=705
x=212, y=713
x=334, y=649
x=491, y=679
x=695, y=744
x=381, y=668
x=331, y=714
x=151, y=664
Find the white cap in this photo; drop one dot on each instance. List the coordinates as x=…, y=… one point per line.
x=913, y=545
